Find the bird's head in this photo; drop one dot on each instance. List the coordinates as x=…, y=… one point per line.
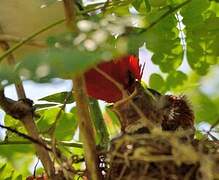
x=125, y=71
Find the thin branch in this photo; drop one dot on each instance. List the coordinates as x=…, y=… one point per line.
x=11, y=61
x=23, y=110
x=25, y=136
x=27, y=39
x=67, y=144
x=86, y=128
x=15, y=39
x=58, y=115
x=214, y=125
x=43, y=154
x=58, y=156
x=48, y=27
x=81, y=99
x=170, y=11
x=35, y=168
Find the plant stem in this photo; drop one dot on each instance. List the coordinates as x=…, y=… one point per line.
x=43, y=154
x=48, y=27
x=170, y=11
x=15, y=39
x=29, y=124
x=67, y=144
x=27, y=39
x=11, y=61
x=86, y=128
x=81, y=99
x=99, y=123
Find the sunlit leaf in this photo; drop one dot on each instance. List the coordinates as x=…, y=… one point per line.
x=65, y=127
x=157, y=82
x=206, y=109
x=175, y=79
x=163, y=41
x=59, y=98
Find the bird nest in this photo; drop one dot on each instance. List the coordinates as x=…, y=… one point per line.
x=158, y=142
x=161, y=155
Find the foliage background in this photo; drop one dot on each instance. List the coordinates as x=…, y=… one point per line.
x=181, y=41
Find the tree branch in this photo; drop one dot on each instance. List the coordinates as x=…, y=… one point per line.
x=67, y=144
x=23, y=136
x=170, y=11
x=86, y=128
x=48, y=27
x=27, y=39
x=15, y=39
x=81, y=99
x=23, y=110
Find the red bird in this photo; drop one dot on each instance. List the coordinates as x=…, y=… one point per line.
x=125, y=70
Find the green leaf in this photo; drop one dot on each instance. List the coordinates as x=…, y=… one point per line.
x=157, y=82
x=12, y=152
x=7, y=75
x=137, y=4
x=18, y=163
x=158, y=3
x=19, y=177
x=16, y=152
x=201, y=35
x=14, y=124
x=100, y=126
x=163, y=41
x=175, y=79
x=2, y=168
x=113, y=123
x=206, y=109
x=64, y=63
x=40, y=106
x=119, y=10
x=192, y=12
x=9, y=172
x=65, y=127
x=147, y=5
x=135, y=42
x=60, y=97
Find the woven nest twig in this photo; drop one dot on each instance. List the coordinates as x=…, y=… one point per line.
x=158, y=142
x=162, y=155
